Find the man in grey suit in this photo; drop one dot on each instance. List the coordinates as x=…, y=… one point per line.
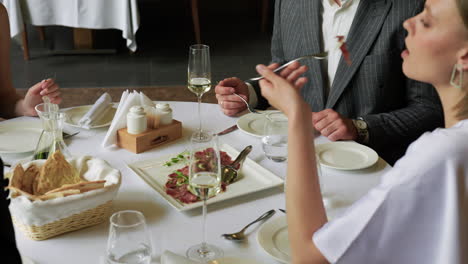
x=370, y=101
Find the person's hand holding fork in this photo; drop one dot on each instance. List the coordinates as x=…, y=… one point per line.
x=225, y=89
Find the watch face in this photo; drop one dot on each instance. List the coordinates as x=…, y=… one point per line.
x=361, y=124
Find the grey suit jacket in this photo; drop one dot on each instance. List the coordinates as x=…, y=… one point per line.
x=397, y=110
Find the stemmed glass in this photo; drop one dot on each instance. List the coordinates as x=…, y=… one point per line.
x=199, y=76
x=204, y=181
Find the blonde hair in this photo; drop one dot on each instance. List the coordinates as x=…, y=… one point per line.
x=462, y=105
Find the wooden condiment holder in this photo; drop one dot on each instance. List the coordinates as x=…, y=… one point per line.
x=149, y=139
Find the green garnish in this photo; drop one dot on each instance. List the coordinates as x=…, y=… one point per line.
x=181, y=157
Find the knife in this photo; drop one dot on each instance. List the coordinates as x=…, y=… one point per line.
x=227, y=130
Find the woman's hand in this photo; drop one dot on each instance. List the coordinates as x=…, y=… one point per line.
x=283, y=91
x=34, y=97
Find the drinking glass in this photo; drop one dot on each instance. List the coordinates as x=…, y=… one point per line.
x=129, y=240
x=204, y=181
x=199, y=76
x=275, y=137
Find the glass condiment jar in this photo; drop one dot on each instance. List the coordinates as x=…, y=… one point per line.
x=51, y=138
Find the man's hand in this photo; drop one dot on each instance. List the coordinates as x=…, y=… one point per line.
x=231, y=104
x=334, y=126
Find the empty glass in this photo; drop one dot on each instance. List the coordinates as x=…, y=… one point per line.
x=129, y=240
x=275, y=137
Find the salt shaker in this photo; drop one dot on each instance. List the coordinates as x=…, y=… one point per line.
x=136, y=120
x=164, y=112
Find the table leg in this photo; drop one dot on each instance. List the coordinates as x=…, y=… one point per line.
x=196, y=20
x=24, y=36
x=82, y=38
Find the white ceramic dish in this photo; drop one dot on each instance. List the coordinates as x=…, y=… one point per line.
x=254, y=178
x=346, y=155
x=19, y=137
x=74, y=115
x=273, y=238
x=252, y=124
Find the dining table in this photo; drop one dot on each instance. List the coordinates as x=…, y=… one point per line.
x=175, y=230
x=89, y=14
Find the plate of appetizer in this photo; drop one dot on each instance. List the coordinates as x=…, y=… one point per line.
x=168, y=175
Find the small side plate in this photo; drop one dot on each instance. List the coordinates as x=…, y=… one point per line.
x=76, y=113
x=346, y=155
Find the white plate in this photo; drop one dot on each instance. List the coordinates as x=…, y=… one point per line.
x=273, y=238
x=346, y=155
x=254, y=178
x=19, y=137
x=76, y=113
x=253, y=124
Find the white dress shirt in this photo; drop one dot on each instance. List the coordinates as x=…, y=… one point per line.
x=418, y=213
x=336, y=22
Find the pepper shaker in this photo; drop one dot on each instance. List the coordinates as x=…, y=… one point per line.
x=165, y=113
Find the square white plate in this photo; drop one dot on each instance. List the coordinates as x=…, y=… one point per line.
x=254, y=178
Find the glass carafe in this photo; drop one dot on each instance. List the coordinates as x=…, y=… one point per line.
x=51, y=138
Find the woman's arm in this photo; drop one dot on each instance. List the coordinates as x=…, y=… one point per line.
x=8, y=96
x=306, y=213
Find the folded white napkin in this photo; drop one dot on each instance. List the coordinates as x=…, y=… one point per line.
x=169, y=257
x=96, y=112
x=120, y=118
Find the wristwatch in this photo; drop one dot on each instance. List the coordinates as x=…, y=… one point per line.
x=362, y=130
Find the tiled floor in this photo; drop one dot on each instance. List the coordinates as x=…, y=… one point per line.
x=237, y=45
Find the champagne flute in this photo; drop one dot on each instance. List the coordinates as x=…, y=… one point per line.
x=204, y=181
x=199, y=77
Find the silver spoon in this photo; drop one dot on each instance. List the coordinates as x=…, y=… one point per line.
x=319, y=56
x=240, y=235
x=229, y=173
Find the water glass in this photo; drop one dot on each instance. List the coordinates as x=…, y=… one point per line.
x=275, y=137
x=129, y=240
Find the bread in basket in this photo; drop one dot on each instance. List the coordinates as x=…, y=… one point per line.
x=57, y=196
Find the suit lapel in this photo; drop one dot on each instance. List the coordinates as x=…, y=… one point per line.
x=312, y=45
x=366, y=25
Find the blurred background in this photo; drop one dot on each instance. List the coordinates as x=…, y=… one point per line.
x=238, y=33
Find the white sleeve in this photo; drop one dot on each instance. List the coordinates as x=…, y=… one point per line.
x=416, y=215
x=253, y=100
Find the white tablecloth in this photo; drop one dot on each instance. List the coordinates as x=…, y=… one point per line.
x=92, y=14
x=177, y=231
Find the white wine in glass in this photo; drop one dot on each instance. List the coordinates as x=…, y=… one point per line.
x=204, y=181
x=199, y=77
x=199, y=86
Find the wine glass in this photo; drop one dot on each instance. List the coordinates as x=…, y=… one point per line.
x=129, y=240
x=204, y=182
x=199, y=76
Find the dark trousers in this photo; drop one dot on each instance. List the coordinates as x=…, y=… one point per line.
x=9, y=251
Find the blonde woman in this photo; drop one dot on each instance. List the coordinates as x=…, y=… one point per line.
x=12, y=104
x=419, y=212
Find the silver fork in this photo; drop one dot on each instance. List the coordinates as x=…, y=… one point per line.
x=319, y=56
x=251, y=109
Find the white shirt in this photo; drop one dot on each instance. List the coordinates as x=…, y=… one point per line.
x=418, y=213
x=336, y=22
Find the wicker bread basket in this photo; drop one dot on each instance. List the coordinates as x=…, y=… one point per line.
x=40, y=220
